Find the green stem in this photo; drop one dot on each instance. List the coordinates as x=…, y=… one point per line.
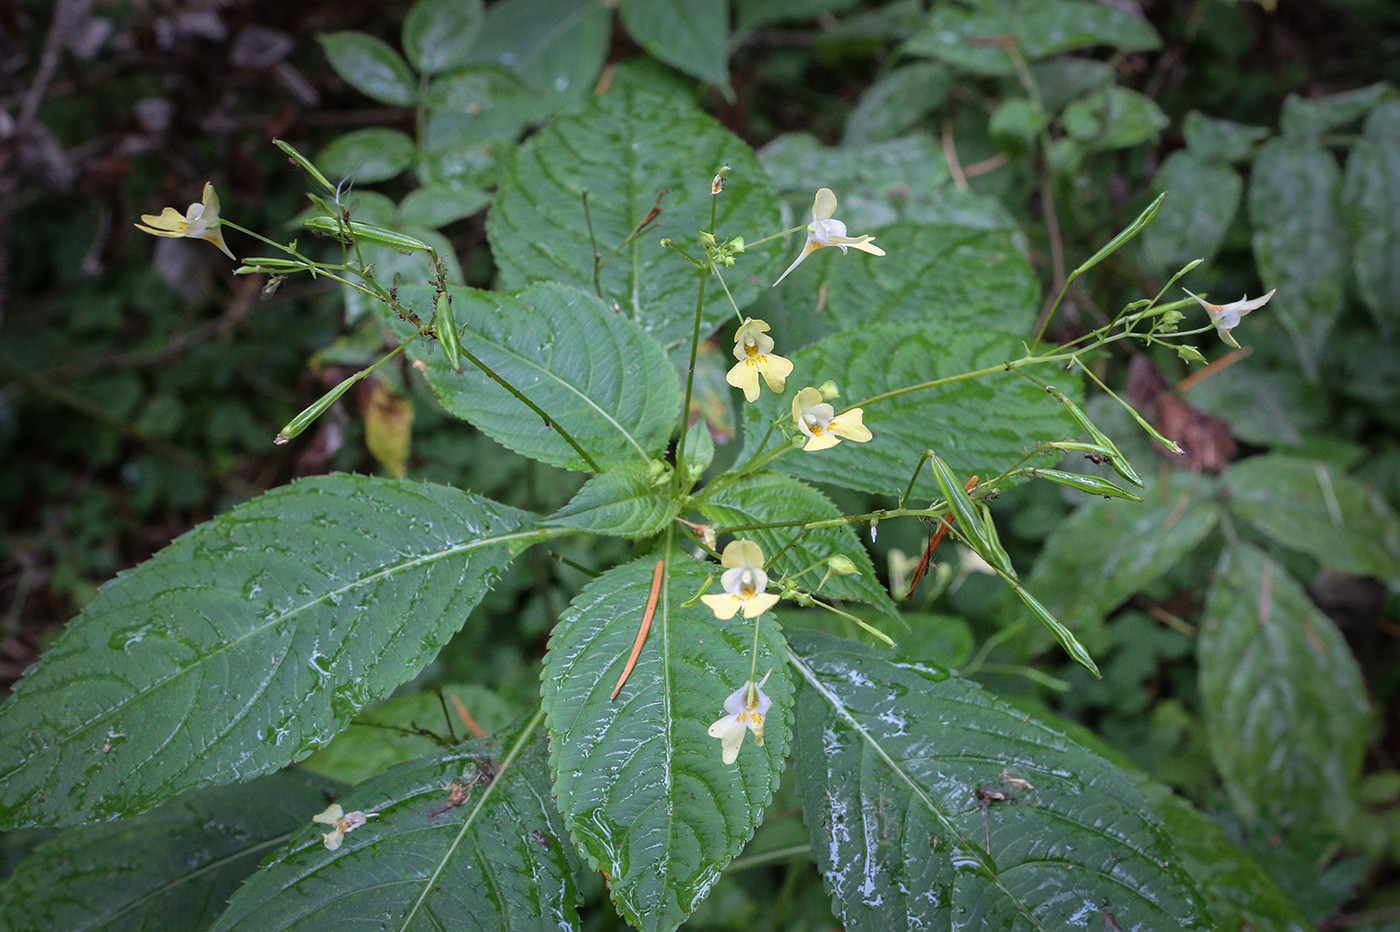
x=768, y=857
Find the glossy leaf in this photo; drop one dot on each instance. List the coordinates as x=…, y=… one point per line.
x=933, y=805
x=1310, y=506
x=438, y=34
x=556, y=46
x=1300, y=241
x=1371, y=193
x=641, y=785
x=497, y=860
x=625, y=150
x=764, y=498
x=631, y=500
x=172, y=868
x=433, y=206
x=691, y=35
x=592, y=371
x=246, y=644
x=1285, y=706
x=367, y=155
x=1202, y=199
x=1108, y=550
x=979, y=426
x=371, y=67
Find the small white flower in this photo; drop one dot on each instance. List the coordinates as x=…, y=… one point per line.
x=746, y=706
x=743, y=582
x=200, y=221
x=1226, y=317
x=822, y=426
x=342, y=821
x=753, y=347
x=824, y=231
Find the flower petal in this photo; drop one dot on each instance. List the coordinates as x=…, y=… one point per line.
x=824, y=205
x=775, y=371
x=744, y=376
x=820, y=442
x=811, y=247
x=747, y=552
x=850, y=425
x=330, y=816
x=759, y=604
x=723, y=604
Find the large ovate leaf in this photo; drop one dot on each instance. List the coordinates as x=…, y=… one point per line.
x=624, y=150
x=641, y=785
x=1202, y=199
x=172, y=868
x=934, y=806
x=593, y=372
x=1223, y=141
x=691, y=35
x=898, y=102
x=497, y=860
x=768, y=498
x=556, y=46
x=1300, y=240
x=1371, y=193
x=979, y=426
x=1110, y=549
x=1310, y=117
x=632, y=500
x=246, y=644
x=371, y=66
x=1310, y=506
x=1285, y=706
x=368, y=155
x=438, y=34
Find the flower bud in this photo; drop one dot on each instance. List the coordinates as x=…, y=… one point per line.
x=841, y=565
x=829, y=390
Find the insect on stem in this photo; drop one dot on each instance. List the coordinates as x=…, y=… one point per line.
x=642, y=631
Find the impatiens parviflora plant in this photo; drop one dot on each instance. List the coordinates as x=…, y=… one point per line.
x=256, y=638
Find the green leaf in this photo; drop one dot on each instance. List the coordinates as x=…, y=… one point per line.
x=640, y=783
x=891, y=759
x=1202, y=199
x=1267, y=407
x=1215, y=140
x=368, y=155
x=958, y=33
x=1108, y=550
x=481, y=105
x=692, y=35
x=1285, y=707
x=1310, y=506
x=1300, y=240
x=755, y=13
x=438, y=34
x=979, y=426
x=556, y=46
x=592, y=371
x=625, y=150
x=1113, y=118
x=371, y=67
x=764, y=498
x=1371, y=195
x=497, y=860
x=433, y=206
x=172, y=868
x=631, y=500
x=897, y=102
x=1311, y=117
x=246, y=644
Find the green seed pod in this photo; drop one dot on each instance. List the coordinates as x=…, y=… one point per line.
x=366, y=233
x=1091, y=484
x=305, y=164
x=445, y=326
x=304, y=420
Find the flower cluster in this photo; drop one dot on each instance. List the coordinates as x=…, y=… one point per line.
x=343, y=822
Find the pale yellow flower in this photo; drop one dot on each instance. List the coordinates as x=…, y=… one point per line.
x=1226, y=317
x=822, y=426
x=746, y=706
x=200, y=221
x=824, y=231
x=743, y=582
x=342, y=821
x=753, y=347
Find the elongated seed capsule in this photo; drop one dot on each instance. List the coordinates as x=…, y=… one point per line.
x=304, y=162
x=1118, y=461
x=366, y=233
x=304, y=420
x=445, y=326
x=1091, y=484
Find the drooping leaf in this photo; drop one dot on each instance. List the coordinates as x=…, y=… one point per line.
x=691, y=35
x=979, y=426
x=498, y=859
x=556, y=46
x=933, y=805
x=964, y=35
x=898, y=102
x=438, y=34
x=640, y=783
x=630, y=500
x=371, y=67
x=1310, y=506
x=172, y=868
x=625, y=151
x=765, y=498
x=1300, y=241
x=1285, y=707
x=246, y=644
x=1371, y=194
x=367, y=155
x=1202, y=199
x=593, y=372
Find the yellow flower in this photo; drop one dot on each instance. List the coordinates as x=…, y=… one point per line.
x=753, y=347
x=743, y=582
x=344, y=822
x=1226, y=317
x=200, y=221
x=822, y=425
x=824, y=231
x=746, y=706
